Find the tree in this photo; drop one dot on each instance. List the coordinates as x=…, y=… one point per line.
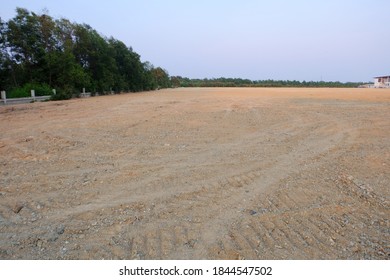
x=23, y=44
x=47, y=43
x=96, y=57
x=130, y=69
x=149, y=80
x=175, y=81
x=37, y=49
x=4, y=70
x=161, y=77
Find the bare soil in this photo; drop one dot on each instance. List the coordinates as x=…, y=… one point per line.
x=198, y=174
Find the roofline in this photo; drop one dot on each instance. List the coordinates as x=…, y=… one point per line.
x=382, y=77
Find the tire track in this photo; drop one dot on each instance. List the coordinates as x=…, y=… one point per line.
x=218, y=203
x=194, y=180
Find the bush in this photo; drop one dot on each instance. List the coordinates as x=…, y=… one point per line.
x=25, y=91
x=18, y=93
x=63, y=94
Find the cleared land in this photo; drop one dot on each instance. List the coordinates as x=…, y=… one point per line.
x=198, y=174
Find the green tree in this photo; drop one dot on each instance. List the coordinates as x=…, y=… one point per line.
x=149, y=80
x=95, y=55
x=48, y=44
x=23, y=39
x=4, y=70
x=129, y=67
x=37, y=49
x=161, y=77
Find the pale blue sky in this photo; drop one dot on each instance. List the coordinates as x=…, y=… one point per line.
x=333, y=40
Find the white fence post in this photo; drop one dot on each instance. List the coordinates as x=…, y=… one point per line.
x=54, y=92
x=4, y=96
x=33, y=94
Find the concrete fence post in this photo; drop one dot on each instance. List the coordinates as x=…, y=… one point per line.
x=33, y=94
x=84, y=90
x=4, y=96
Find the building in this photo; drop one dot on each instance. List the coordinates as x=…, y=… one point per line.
x=382, y=82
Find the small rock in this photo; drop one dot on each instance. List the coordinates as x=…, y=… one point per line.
x=17, y=207
x=191, y=243
x=51, y=236
x=252, y=212
x=60, y=229
x=264, y=210
x=381, y=252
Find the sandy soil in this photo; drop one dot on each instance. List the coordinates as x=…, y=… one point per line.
x=198, y=174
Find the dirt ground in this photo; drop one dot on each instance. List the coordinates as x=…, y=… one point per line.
x=198, y=174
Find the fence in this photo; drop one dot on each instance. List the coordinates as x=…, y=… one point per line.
x=6, y=100
x=33, y=98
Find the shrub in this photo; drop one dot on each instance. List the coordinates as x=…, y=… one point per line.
x=25, y=91
x=63, y=94
x=18, y=93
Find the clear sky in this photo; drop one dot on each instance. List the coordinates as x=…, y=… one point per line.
x=332, y=40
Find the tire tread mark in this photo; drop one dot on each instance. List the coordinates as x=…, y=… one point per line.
x=321, y=236
x=317, y=242
x=248, y=250
x=286, y=231
x=297, y=234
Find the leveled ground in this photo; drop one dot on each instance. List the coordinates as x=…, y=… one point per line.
x=198, y=174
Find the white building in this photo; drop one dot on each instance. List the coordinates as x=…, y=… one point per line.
x=382, y=82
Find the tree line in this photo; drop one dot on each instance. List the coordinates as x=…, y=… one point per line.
x=179, y=81
x=40, y=52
